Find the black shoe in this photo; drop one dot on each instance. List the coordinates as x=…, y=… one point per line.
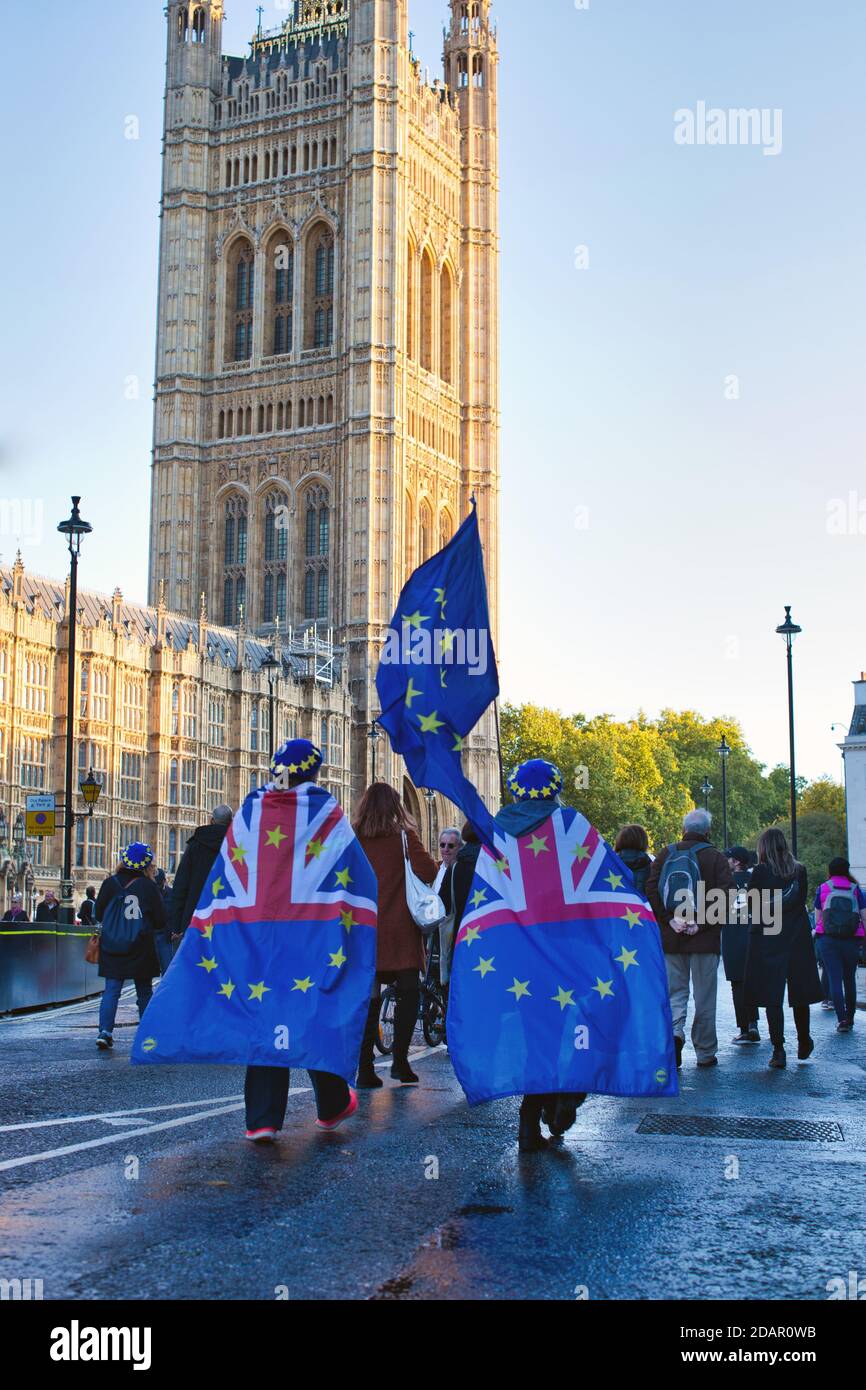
x=368, y=1079
x=529, y=1137
x=844, y=1027
x=805, y=1049
x=561, y=1117
x=710, y=1062
x=753, y=1033
x=779, y=1059
x=104, y=1042
x=402, y=1072
x=679, y=1044
x=742, y=1036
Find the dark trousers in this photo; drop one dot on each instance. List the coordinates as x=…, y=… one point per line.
x=266, y=1092
x=840, y=957
x=776, y=1023
x=406, y=1008
x=744, y=1006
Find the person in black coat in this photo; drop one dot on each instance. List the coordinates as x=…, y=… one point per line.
x=455, y=887
x=47, y=909
x=632, y=846
x=780, y=953
x=735, y=938
x=143, y=900
x=15, y=912
x=198, y=859
x=87, y=911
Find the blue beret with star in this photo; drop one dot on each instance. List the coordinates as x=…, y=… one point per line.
x=536, y=780
x=295, y=757
x=137, y=856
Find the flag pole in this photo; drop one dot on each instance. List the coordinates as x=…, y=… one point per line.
x=499, y=751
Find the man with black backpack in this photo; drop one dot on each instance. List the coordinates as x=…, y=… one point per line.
x=688, y=886
x=131, y=912
x=840, y=925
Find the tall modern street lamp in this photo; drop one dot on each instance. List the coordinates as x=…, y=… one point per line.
x=724, y=752
x=374, y=735
x=789, y=630
x=706, y=789
x=74, y=529
x=272, y=667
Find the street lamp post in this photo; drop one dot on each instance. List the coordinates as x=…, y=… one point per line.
x=429, y=797
x=790, y=631
x=706, y=789
x=273, y=667
x=374, y=735
x=724, y=753
x=74, y=529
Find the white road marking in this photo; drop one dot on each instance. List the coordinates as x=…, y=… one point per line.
x=117, y=1114
x=28, y=1160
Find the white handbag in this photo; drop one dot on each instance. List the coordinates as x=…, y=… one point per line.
x=426, y=908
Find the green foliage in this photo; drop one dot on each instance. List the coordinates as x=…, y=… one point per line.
x=820, y=838
x=652, y=771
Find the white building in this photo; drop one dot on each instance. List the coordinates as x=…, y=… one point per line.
x=854, y=753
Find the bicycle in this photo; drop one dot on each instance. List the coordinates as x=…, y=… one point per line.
x=432, y=1009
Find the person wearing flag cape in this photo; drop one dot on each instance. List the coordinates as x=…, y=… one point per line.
x=277, y=965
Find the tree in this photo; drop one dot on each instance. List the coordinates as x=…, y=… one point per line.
x=826, y=797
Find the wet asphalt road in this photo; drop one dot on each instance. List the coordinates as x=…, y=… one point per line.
x=171, y=1203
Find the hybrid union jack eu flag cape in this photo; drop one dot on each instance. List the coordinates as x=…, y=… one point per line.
x=276, y=968
x=558, y=983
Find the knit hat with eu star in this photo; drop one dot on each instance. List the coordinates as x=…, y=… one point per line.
x=295, y=757
x=137, y=856
x=536, y=780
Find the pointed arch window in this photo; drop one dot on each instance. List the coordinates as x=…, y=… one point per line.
x=317, y=548
x=241, y=300
x=427, y=273
x=281, y=292
x=234, y=558
x=446, y=333
x=276, y=557
x=319, y=288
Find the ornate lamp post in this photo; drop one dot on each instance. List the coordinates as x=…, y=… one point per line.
x=91, y=789
x=21, y=856
x=724, y=753
x=374, y=735
x=74, y=529
x=273, y=669
x=429, y=797
x=790, y=631
x=706, y=789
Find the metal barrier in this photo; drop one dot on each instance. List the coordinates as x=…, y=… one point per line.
x=40, y=967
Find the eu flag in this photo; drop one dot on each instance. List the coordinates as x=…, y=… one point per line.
x=437, y=672
x=558, y=982
x=277, y=966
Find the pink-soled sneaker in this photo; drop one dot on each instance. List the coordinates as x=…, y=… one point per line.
x=347, y=1114
x=261, y=1136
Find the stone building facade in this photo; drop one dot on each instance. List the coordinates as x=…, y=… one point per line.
x=172, y=715
x=327, y=353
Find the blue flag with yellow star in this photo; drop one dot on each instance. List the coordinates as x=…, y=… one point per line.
x=277, y=966
x=558, y=983
x=437, y=672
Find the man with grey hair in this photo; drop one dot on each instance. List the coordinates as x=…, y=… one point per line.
x=198, y=859
x=682, y=889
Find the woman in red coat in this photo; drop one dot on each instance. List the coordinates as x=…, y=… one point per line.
x=379, y=824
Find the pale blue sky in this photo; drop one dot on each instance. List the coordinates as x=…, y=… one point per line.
x=705, y=515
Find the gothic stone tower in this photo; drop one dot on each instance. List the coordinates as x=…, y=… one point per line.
x=327, y=351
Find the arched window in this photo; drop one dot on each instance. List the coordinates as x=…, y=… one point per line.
x=198, y=22
x=411, y=264
x=478, y=71
x=446, y=529
x=427, y=272
x=425, y=533
x=280, y=292
x=276, y=555
x=462, y=70
x=446, y=335
x=319, y=287
x=317, y=549
x=234, y=558
x=172, y=783
x=408, y=537
x=240, y=300
x=182, y=24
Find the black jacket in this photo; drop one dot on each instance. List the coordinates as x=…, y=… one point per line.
x=46, y=912
x=638, y=863
x=141, y=962
x=458, y=881
x=87, y=912
x=197, y=862
x=776, y=959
